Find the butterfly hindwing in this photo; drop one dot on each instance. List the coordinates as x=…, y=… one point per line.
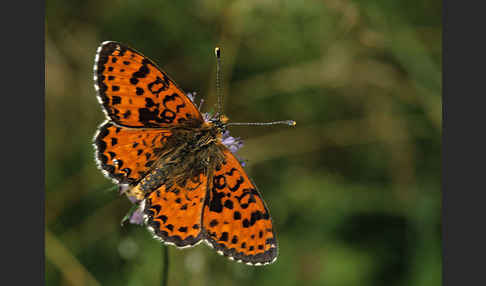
x=235, y=217
x=126, y=154
x=135, y=92
x=173, y=214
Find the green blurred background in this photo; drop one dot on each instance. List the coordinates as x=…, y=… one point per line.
x=354, y=188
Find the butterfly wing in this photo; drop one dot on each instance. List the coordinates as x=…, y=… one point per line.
x=126, y=154
x=134, y=92
x=173, y=214
x=235, y=218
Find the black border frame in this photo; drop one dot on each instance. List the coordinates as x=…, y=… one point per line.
x=463, y=146
x=23, y=49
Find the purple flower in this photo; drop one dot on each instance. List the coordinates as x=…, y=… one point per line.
x=191, y=95
x=207, y=116
x=231, y=142
x=137, y=216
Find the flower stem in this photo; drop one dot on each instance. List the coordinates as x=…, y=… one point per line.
x=165, y=269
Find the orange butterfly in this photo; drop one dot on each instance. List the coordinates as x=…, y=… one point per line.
x=190, y=186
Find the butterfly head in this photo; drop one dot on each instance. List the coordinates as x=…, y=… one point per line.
x=219, y=122
x=223, y=119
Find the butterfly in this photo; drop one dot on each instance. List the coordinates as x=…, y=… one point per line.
x=190, y=186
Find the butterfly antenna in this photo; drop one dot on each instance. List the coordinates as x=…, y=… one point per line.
x=219, y=87
x=285, y=122
x=219, y=83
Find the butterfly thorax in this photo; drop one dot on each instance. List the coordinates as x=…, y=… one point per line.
x=187, y=153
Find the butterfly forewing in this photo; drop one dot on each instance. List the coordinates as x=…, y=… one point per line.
x=135, y=92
